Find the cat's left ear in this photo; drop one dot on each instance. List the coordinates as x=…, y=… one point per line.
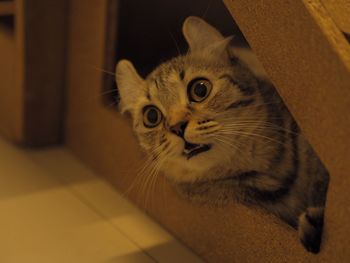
x=131, y=86
x=202, y=37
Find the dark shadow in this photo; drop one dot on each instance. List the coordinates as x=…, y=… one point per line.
x=149, y=32
x=170, y=252
x=7, y=22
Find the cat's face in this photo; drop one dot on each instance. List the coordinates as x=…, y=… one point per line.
x=189, y=112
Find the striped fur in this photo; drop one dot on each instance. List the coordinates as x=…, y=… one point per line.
x=256, y=154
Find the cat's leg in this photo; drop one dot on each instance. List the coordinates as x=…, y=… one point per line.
x=310, y=228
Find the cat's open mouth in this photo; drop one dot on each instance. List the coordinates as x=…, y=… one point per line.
x=192, y=149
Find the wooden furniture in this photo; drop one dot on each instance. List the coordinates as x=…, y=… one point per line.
x=32, y=70
x=7, y=8
x=10, y=107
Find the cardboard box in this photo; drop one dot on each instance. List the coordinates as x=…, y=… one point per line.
x=308, y=60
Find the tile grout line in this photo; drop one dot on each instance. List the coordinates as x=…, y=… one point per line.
x=94, y=209
x=101, y=214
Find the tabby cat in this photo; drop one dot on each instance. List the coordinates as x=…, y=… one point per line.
x=217, y=129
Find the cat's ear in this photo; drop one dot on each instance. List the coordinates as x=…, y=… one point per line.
x=202, y=37
x=130, y=85
x=199, y=34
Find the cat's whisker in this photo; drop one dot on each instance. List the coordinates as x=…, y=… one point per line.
x=210, y=2
x=264, y=104
x=155, y=172
x=258, y=123
x=262, y=126
x=99, y=96
x=154, y=177
x=251, y=134
x=156, y=159
x=175, y=42
x=112, y=104
x=147, y=183
x=102, y=70
x=140, y=176
x=225, y=140
x=272, y=126
x=226, y=147
x=249, y=107
x=257, y=116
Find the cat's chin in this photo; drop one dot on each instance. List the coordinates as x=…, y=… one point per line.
x=194, y=150
x=182, y=169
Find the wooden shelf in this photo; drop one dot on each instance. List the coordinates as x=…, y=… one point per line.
x=7, y=8
x=339, y=10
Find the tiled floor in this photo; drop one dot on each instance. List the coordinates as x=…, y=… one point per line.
x=54, y=209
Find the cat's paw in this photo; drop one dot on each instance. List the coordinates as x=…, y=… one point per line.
x=310, y=228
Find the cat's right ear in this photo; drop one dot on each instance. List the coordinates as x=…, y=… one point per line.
x=199, y=34
x=204, y=38
x=131, y=86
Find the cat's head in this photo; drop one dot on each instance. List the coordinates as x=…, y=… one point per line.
x=184, y=112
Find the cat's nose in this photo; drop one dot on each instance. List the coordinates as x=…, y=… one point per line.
x=179, y=128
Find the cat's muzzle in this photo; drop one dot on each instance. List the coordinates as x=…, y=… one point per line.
x=192, y=149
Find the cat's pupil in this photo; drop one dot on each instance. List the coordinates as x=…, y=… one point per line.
x=152, y=115
x=200, y=90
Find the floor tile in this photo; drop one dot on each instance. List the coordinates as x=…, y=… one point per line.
x=54, y=209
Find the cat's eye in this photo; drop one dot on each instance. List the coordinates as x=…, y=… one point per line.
x=199, y=89
x=151, y=116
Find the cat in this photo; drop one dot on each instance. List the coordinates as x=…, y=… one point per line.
x=216, y=127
